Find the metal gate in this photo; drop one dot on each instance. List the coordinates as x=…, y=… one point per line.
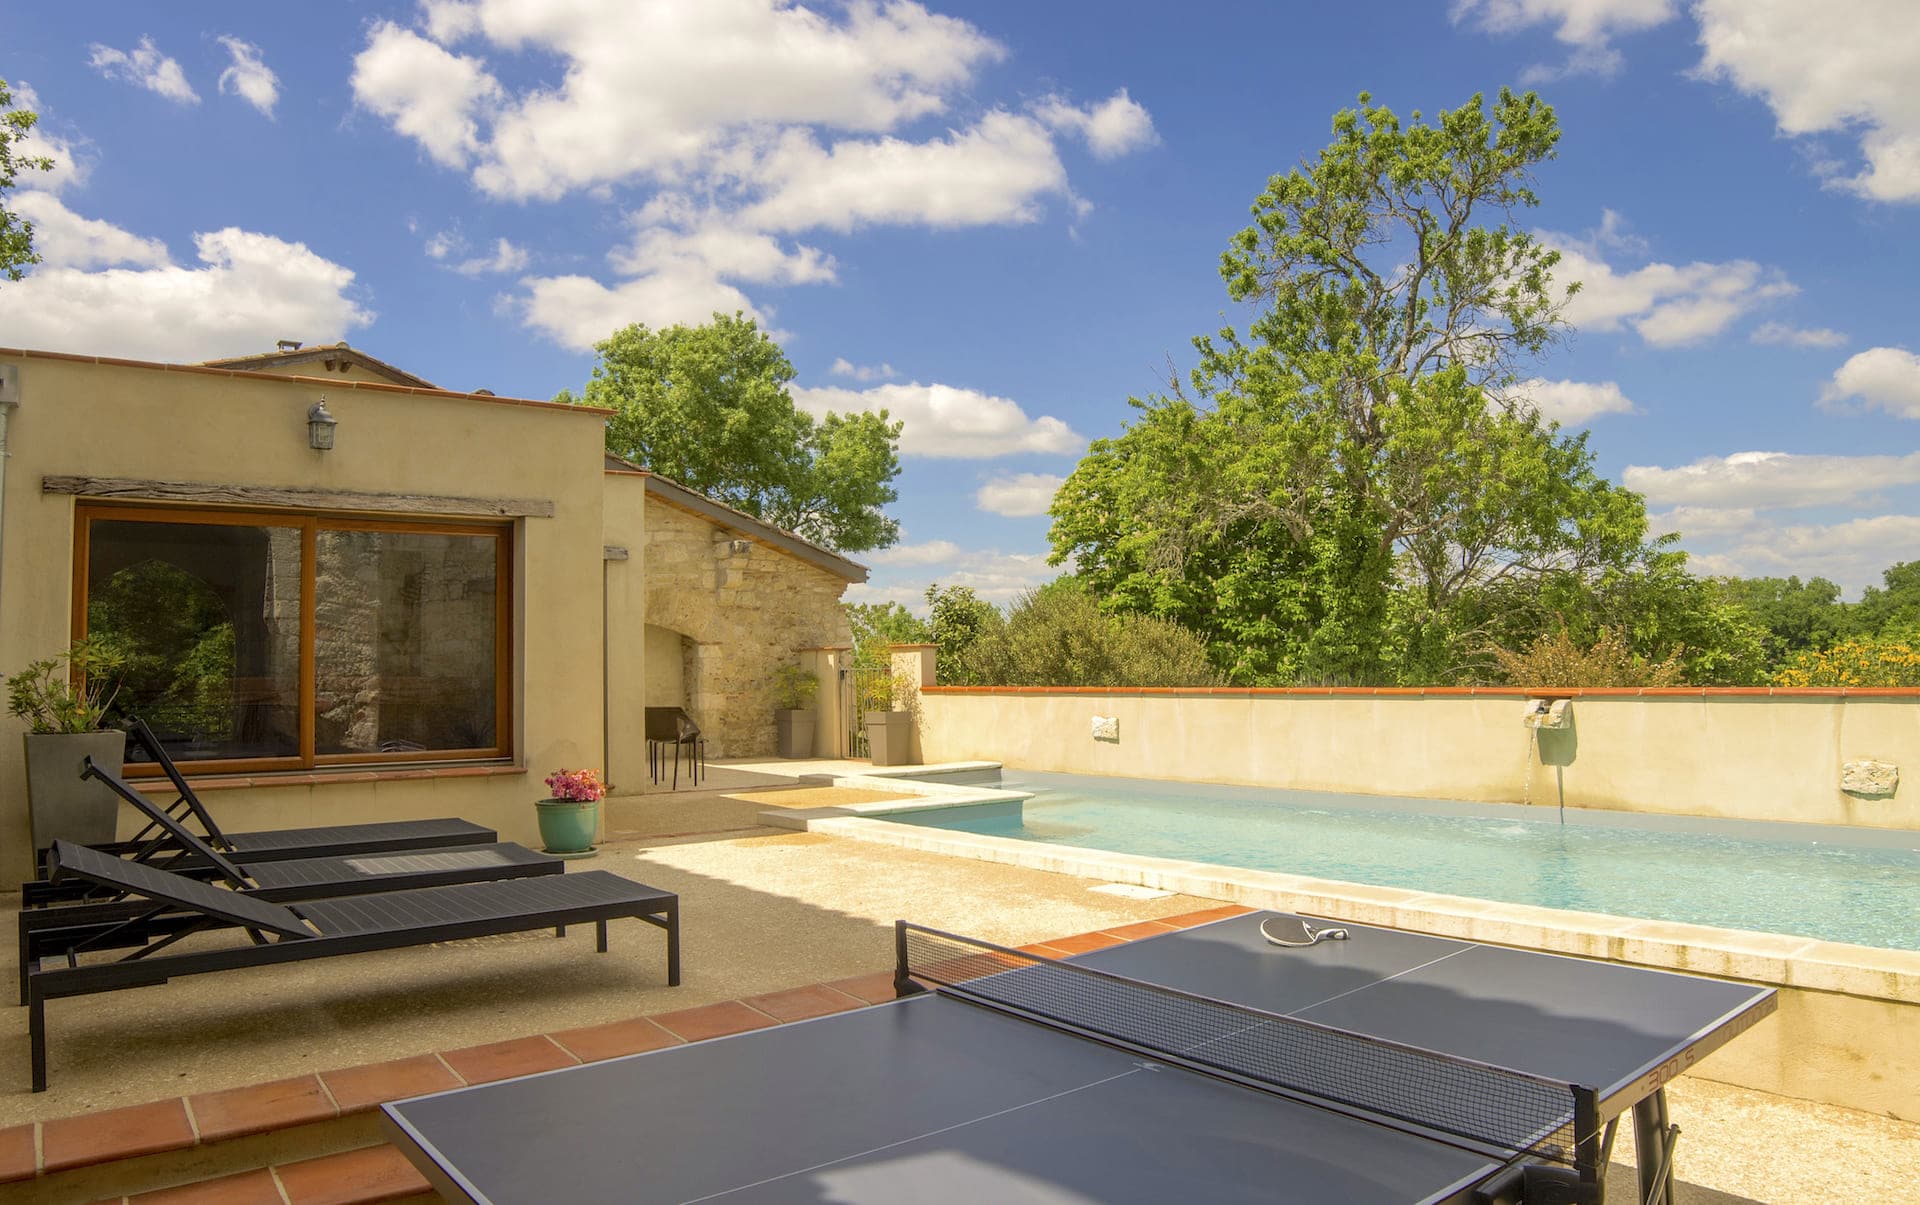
x=863, y=688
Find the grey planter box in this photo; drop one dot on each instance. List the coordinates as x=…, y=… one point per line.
x=796, y=732
x=59, y=804
x=889, y=738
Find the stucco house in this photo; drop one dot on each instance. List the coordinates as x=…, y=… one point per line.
x=460, y=594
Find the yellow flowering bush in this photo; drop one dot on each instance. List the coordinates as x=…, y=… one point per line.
x=1861, y=661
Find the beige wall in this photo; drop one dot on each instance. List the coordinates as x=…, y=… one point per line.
x=111, y=420
x=1758, y=758
x=745, y=612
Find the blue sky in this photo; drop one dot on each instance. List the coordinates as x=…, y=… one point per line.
x=1000, y=220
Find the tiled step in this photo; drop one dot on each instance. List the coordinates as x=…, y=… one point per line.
x=316, y=1138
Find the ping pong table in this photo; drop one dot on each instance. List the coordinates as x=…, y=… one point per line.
x=1206, y=1064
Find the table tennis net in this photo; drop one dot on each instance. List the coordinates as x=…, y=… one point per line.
x=1488, y=1108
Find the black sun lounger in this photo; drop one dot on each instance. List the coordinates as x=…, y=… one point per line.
x=179, y=906
x=335, y=840
x=175, y=847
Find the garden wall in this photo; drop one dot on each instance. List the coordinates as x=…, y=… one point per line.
x=1745, y=753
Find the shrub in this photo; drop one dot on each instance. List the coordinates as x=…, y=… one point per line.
x=44, y=695
x=1556, y=659
x=1888, y=660
x=794, y=688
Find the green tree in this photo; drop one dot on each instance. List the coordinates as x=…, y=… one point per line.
x=1058, y=635
x=1353, y=469
x=960, y=622
x=1893, y=605
x=1796, y=615
x=876, y=626
x=708, y=407
x=16, y=233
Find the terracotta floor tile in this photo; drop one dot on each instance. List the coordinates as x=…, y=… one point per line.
x=1043, y=949
x=594, y=1042
x=358, y=1088
x=375, y=1173
x=260, y=1107
x=800, y=1003
x=18, y=1159
x=115, y=1134
x=1134, y=932
x=712, y=1020
x=247, y=1188
x=1081, y=943
x=1188, y=920
x=876, y=988
x=504, y=1060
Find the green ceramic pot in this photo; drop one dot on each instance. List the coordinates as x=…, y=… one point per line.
x=567, y=826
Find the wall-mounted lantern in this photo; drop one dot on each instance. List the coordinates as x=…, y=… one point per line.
x=320, y=425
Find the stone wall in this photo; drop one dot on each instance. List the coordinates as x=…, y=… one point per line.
x=746, y=608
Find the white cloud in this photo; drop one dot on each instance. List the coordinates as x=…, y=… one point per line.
x=1586, y=26
x=999, y=577
x=69, y=168
x=1114, y=127
x=1571, y=403
x=1018, y=495
x=1666, y=304
x=933, y=552
x=64, y=239
x=944, y=421
x=1772, y=479
x=1852, y=553
x=505, y=258
x=843, y=367
x=1884, y=378
x=428, y=93
x=995, y=173
x=1841, y=66
x=249, y=290
x=1781, y=334
x=249, y=77
x=145, y=66
x=444, y=244
x=1703, y=522
x=579, y=311
x=780, y=118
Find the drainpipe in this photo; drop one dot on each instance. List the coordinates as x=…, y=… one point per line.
x=9, y=402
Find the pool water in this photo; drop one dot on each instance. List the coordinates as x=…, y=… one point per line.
x=1837, y=884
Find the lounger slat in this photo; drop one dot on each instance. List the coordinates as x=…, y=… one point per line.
x=342, y=839
x=371, y=868
x=144, y=880
x=433, y=907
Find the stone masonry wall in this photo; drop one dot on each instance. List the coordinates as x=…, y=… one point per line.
x=747, y=609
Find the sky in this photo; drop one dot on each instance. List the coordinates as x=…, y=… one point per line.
x=999, y=221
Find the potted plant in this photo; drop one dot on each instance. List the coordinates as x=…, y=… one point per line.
x=63, y=699
x=889, y=734
x=793, y=691
x=571, y=816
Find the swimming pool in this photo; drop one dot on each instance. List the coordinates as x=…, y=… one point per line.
x=1836, y=884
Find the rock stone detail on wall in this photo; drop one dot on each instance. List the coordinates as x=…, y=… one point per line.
x=745, y=608
x=1872, y=778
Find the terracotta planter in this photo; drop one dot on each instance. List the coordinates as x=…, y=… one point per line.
x=60, y=804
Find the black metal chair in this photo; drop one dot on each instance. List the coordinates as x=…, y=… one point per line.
x=673, y=726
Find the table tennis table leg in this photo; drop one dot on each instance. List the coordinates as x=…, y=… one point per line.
x=1653, y=1138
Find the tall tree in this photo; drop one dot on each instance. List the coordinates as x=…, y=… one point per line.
x=16, y=233
x=1358, y=462
x=708, y=406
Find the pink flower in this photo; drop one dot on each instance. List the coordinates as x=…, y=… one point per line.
x=577, y=786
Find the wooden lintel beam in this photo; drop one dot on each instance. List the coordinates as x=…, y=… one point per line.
x=295, y=498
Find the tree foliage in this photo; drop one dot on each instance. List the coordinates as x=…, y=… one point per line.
x=876, y=626
x=708, y=406
x=1058, y=635
x=1333, y=492
x=16, y=233
x=1889, y=659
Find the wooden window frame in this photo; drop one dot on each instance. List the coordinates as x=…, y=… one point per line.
x=310, y=524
